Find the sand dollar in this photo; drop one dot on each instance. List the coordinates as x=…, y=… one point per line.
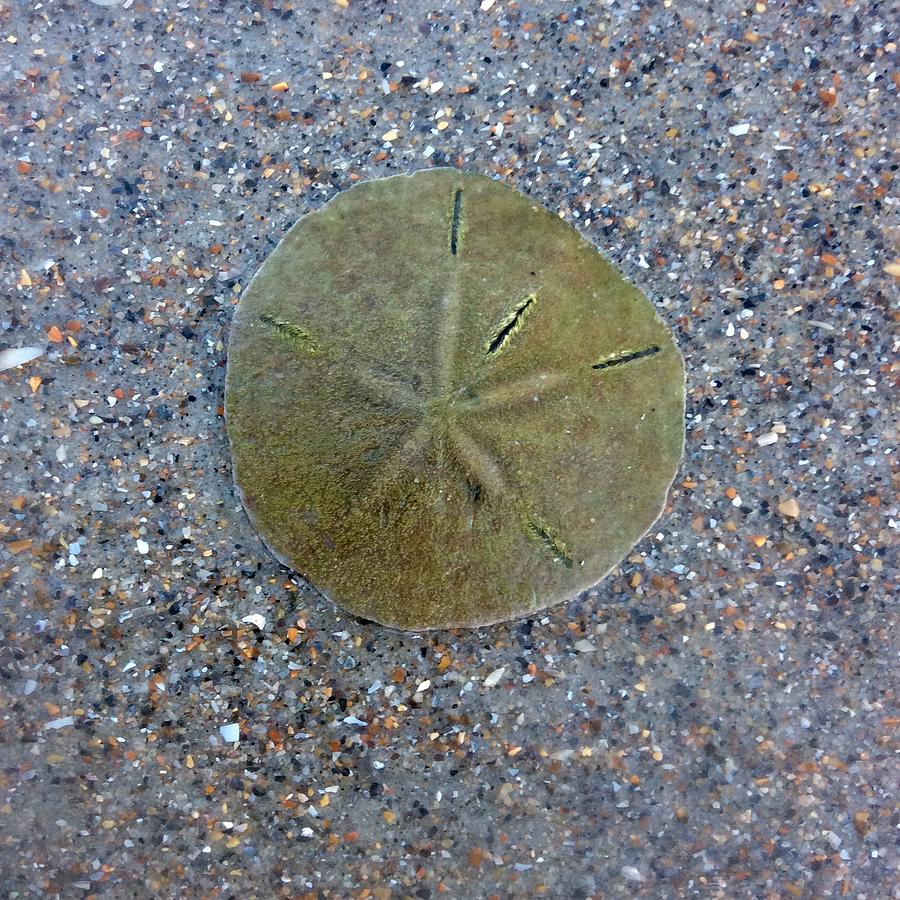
x=445, y=407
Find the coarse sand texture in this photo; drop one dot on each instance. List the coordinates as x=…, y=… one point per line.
x=445, y=407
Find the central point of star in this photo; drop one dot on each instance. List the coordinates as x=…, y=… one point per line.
x=441, y=408
x=450, y=406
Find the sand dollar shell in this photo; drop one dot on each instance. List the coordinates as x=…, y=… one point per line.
x=445, y=407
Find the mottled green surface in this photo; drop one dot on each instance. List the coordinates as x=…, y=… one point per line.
x=445, y=407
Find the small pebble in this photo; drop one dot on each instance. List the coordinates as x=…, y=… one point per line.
x=789, y=508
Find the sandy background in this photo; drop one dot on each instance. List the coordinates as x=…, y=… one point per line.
x=715, y=719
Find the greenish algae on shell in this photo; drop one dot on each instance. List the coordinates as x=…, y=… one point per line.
x=445, y=407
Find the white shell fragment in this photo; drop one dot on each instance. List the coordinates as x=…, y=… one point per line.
x=64, y=722
x=18, y=356
x=231, y=733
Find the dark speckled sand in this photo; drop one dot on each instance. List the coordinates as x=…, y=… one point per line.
x=716, y=719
